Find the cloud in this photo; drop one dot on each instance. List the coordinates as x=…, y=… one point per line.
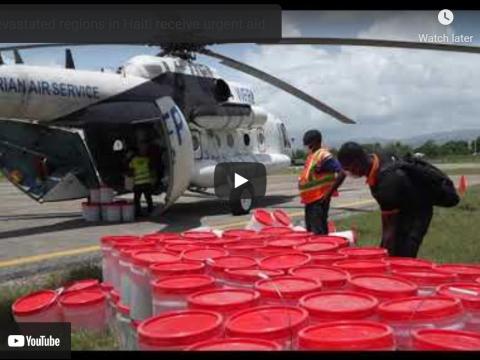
x=391, y=93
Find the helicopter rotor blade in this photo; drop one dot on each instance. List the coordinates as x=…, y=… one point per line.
x=259, y=74
x=377, y=43
x=69, y=63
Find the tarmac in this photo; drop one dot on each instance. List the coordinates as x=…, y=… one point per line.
x=36, y=238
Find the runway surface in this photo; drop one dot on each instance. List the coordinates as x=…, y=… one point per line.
x=41, y=237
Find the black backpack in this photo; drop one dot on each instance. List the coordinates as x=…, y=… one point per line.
x=435, y=183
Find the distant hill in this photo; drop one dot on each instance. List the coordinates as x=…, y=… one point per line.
x=443, y=137
x=439, y=138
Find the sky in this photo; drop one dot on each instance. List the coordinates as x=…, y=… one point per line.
x=390, y=93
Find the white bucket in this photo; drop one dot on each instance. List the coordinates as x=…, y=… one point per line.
x=94, y=196
x=106, y=195
x=113, y=212
x=128, y=212
x=91, y=212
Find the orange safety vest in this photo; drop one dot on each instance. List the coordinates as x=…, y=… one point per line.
x=314, y=186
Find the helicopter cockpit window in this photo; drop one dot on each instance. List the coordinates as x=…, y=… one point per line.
x=222, y=91
x=230, y=140
x=246, y=139
x=118, y=145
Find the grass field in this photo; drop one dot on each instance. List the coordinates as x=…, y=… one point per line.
x=453, y=235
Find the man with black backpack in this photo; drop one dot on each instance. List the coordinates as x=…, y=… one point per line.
x=406, y=191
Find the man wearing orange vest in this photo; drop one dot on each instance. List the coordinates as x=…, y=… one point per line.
x=319, y=180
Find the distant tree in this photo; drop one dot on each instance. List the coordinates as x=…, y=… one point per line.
x=429, y=148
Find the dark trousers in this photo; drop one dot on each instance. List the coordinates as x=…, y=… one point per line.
x=316, y=216
x=146, y=190
x=411, y=229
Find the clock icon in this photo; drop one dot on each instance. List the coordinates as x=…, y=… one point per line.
x=445, y=17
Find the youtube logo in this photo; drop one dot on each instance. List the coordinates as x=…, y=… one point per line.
x=241, y=183
x=16, y=341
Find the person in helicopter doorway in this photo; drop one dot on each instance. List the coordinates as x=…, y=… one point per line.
x=141, y=168
x=322, y=175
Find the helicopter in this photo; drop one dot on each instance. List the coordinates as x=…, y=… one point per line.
x=64, y=131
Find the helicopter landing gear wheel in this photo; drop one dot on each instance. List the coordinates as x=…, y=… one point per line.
x=241, y=200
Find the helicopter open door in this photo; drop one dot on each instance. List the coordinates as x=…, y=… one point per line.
x=46, y=163
x=179, y=143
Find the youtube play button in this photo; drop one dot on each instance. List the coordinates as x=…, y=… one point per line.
x=233, y=177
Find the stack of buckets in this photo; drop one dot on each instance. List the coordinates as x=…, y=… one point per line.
x=274, y=287
x=102, y=207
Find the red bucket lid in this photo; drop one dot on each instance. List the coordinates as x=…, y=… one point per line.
x=288, y=287
x=233, y=262
x=347, y=335
x=126, y=254
x=106, y=287
x=204, y=254
x=82, y=298
x=464, y=272
x=178, y=268
x=442, y=339
x=276, y=230
x=224, y=241
x=239, y=233
x=328, y=276
x=236, y=344
x=224, y=300
x=298, y=234
x=179, y=328
x=183, y=284
x=284, y=261
x=124, y=309
x=282, y=217
x=243, y=246
x=180, y=248
x=251, y=275
x=160, y=237
x=327, y=258
x=366, y=253
x=362, y=266
x=199, y=235
x=339, y=305
x=383, y=285
x=426, y=277
x=115, y=296
x=286, y=242
x=419, y=308
x=34, y=303
x=114, y=239
x=267, y=322
x=408, y=264
x=150, y=257
x=83, y=285
x=263, y=217
x=318, y=247
x=132, y=244
x=467, y=292
x=341, y=241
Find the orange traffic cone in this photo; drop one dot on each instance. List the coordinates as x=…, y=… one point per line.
x=331, y=227
x=462, y=185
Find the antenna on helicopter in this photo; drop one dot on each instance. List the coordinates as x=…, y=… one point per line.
x=18, y=58
x=69, y=64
